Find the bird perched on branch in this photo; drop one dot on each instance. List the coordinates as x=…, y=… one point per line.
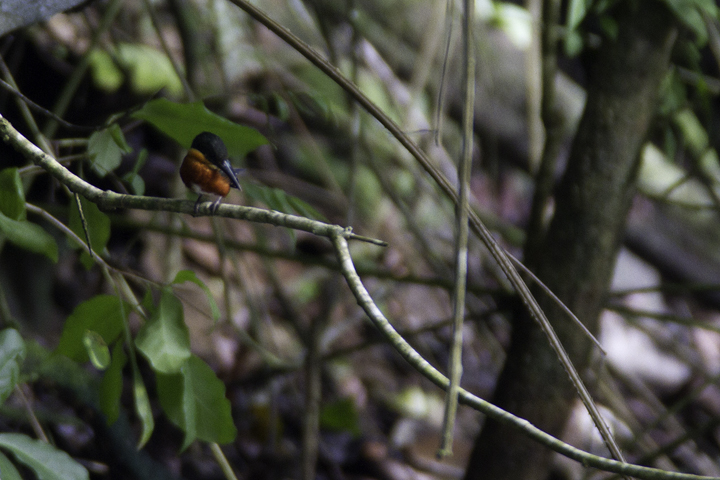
x=206, y=169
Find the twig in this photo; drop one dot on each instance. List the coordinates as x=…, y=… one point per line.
x=467, y=398
x=40, y=109
x=110, y=200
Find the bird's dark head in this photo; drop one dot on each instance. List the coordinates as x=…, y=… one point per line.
x=211, y=146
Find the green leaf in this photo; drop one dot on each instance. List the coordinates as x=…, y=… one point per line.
x=279, y=200
x=609, y=26
x=150, y=69
x=573, y=44
x=105, y=154
x=119, y=138
x=305, y=209
x=142, y=407
x=184, y=121
x=12, y=354
x=140, y=161
x=171, y=394
x=12, y=194
x=341, y=416
x=28, y=236
x=194, y=400
x=111, y=384
x=9, y=472
x=189, y=276
x=97, y=349
x=136, y=182
x=148, y=303
x=102, y=314
x=690, y=13
x=577, y=10
x=46, y=461
x=98, y=225
x=106, y=75
x=165, y=339
x=694, y=134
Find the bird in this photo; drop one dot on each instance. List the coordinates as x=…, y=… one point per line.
x=206, y=169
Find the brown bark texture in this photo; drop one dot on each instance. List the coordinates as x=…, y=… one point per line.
x=575, y=257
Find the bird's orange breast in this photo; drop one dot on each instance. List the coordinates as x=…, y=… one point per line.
x=201, y=176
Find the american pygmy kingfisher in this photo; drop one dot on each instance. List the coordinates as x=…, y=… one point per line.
x=206, y=169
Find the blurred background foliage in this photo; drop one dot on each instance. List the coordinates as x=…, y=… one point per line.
x=264, y=311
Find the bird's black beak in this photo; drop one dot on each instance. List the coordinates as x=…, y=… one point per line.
x=227, y=169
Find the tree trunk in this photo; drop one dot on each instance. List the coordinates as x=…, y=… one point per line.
x=576, y=256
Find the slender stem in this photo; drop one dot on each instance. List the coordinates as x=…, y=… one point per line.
x=461, y=229
x=34, y=422
x=222, y=461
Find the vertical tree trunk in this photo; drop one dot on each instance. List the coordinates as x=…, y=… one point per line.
x=576, y=256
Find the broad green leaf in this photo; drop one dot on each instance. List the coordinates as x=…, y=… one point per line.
x=184, y=121
x=8, y=470
x=105, y=73
x=189, y=276
x=577, y=10
x=98, y=225
x=12, y=194
x=165, y=339
x=111, y=384
x=194, y=400
x=28, y=236
x=341, y=416
x=46, y=461
x=105, y=154
x=142, y=407
x=102, y=314
x=97, y=349
x=171, y=394
x=12, y=353
x=150, y=69
x=136, y=182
